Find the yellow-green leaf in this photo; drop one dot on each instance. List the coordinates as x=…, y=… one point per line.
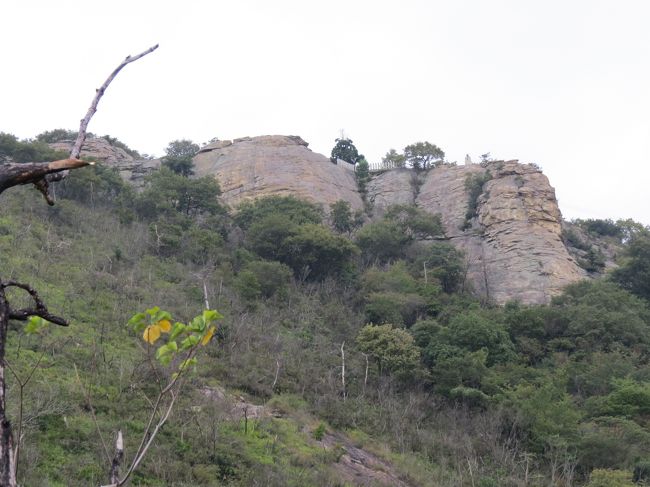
x=165, y=325
x=208, y=335
x=151, y=334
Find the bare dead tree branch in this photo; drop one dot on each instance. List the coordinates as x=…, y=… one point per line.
x=24, y=313
x=14, y=174
x=76, y=149
x=40, y=174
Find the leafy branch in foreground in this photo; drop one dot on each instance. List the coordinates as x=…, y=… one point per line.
x=176, y=346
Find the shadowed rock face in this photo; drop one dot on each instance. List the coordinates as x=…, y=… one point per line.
x=130, y=168
x=252, y=167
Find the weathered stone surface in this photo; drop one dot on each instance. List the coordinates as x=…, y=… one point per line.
x=396, y=187
x=514, y=246
x=130, y=168
x=252, y=167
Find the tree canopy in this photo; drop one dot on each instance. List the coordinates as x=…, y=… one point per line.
x=179, y=154
x=345, y=150
x=423, y=155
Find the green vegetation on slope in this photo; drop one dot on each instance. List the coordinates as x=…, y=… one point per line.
x=457, y=392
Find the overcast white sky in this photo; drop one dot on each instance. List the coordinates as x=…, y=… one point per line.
x=564, y=84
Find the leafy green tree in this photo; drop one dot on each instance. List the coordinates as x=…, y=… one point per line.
x=382, y=241
x=604, y=228
x=610, y=478
x=423, y=155
x=415, y=222
x=272, y=277
x=629, y=399
x=395, y=278
x=316, y=250
x=97, y=184
x=393, y=296
x=393, y=159
x=600, y=316
x=608, y=442
x=345, y=150
x=167, y=191
x=474, y=185
x=362, y=173
x=392, y=349
x=309, y=249
x=471, y=332
x=57, y=135
x=546, y=412
x=446, y=264
x=342, y=219
x=634, y=272
x=8, y=145
x=26, y=150
x=267, y=236
x=593, y=261
x=396, y=308
x=289, y=208
x=248, y=286
x=454, y=367
x=179, y=154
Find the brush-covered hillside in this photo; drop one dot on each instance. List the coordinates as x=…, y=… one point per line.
x=353, y=350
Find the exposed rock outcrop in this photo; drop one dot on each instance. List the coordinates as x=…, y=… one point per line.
x=252, y=167
x=513, y=242
x=514, y=246
x=131, y=168
x=396, y=187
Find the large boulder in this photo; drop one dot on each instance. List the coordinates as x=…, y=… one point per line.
x=252, y=167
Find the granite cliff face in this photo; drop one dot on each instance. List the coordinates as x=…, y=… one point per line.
x=251, y=167
x=131, y=169
x=513, y=242
x=513, y=245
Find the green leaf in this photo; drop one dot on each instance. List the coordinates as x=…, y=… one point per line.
x=136, y=318
x=210, y=315
x=177, y=329
x=153, y=311
x=35, y=324
x=197, y=324
x=138, y=322
x=161, y=315
x=189, y=342
x=165, y=359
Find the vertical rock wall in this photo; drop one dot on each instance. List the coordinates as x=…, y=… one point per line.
x=514, y=246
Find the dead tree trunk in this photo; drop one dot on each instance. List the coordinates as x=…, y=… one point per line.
x=35, y=173
x=7, y=463
x=40, y=174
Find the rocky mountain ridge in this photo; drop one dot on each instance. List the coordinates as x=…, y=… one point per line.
x=132, y=169
x=512, y=242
